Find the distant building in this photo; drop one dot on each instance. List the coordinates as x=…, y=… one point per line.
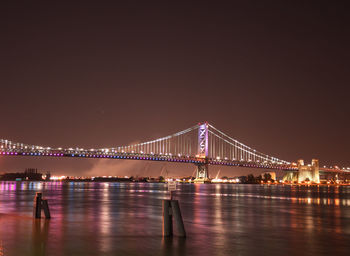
x=305, y=173
x=29, y=174
x=309, y=172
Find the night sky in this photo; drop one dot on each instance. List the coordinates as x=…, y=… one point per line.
x=272, y=74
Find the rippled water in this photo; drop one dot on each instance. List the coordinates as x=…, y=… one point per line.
x=125, y=219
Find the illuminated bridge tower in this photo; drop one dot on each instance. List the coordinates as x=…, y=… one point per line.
x=202, y=174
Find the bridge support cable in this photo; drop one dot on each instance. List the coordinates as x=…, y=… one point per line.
x=199, y=144
x=202, y=143
x=246, y=153
x=176, y=144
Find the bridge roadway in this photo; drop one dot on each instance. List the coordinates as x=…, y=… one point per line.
x=146, y=157
x=202, y=145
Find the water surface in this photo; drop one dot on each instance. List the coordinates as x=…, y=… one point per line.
x=220, y=219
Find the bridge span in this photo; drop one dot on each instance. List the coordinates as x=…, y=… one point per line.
x=202, y=145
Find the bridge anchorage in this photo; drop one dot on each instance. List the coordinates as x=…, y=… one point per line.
x=202, y=145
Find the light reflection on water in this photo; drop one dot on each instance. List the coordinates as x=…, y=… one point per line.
x=220, y=219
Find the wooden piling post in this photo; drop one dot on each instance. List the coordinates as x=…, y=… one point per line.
x=45, y=206
x=37, y=205
x=178, y=218
x=40, y=204
x=167, y=219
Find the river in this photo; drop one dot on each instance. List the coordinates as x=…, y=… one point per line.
x=220, y=219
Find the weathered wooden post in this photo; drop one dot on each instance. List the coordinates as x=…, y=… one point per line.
x=40, y=204
x=176, y=212
x=171, y=209
x=167, y=219
x=45, y=206
x=37, y=205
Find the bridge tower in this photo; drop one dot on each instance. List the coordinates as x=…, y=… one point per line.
x=202, y=174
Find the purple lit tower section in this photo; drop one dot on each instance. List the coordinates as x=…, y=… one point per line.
x=202, y=174
x=203, y=140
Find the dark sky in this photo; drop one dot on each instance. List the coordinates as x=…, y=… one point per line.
x=273, y=74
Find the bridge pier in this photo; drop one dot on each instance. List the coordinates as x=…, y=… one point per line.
x=202, y=173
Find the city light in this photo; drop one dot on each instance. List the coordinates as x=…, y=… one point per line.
x=55, y=178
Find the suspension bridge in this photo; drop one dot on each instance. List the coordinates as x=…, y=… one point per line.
x=201, y=145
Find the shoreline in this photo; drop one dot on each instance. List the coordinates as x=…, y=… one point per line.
x=183, y=182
